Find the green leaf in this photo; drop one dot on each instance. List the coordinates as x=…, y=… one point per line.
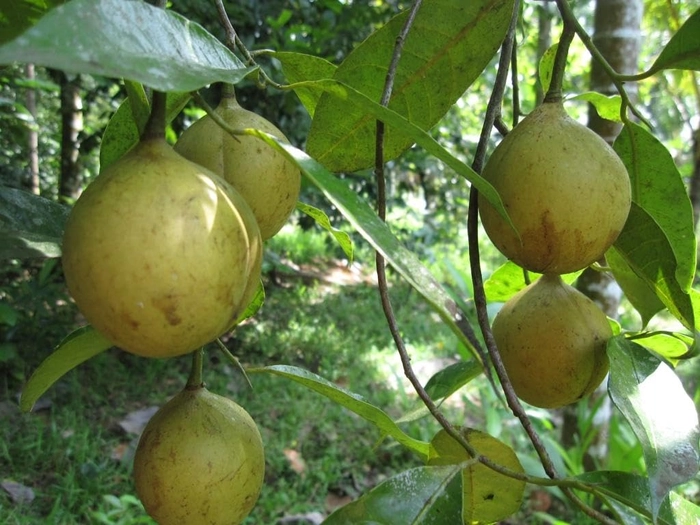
x=509, y=279
x=449, y=45
x=122, y=131
x=363, y=218
x=547, y=66
x=254, y=306
x=430, y=145
x=18, y=15
x=683, y=50
x=661, y=414
x=657, y=187
x=447, y=381
x=300, y=67
x=342, y=238
x=669, y=345
x=351, y=401
x=633, y=491
x=409, y=498
x=76, y=348
x=607, y=107
x=30, y=226
x=127, y=39
x=637, y=290
x=645, y=249
x=487, y=496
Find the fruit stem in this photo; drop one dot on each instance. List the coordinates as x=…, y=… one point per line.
x=195, y=380
x=155, y=127
x=559, y=67
x=228, y=91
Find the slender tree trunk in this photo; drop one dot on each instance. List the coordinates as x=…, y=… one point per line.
x=33, y=137
x=617, y=36
x=71, y=126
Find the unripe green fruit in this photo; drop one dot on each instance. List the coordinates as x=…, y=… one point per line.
x=565, y=189
x=268, y=182
x=552, y=341
x=200, y=460
x=158, y=252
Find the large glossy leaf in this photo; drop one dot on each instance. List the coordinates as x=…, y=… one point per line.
x=657, y=188
x=633, y=492
x=661, y=414
x=645, y=249
x=683, y=50
x=76, y=348
x=364, y=219
x=354, y=402
x=352, y=97
x=423, y=495
x=122, y=131
x=17, y=16
x=127, y=39
x=300, y=67
x=449, y=45
x=30, y=226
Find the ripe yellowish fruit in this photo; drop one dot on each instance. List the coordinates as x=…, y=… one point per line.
x=565, y=189
x=268, y=182
x=158, y=252
x=200, y=460
x=552, y=341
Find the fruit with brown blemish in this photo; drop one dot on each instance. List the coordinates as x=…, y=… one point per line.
x=268, y=182
x=158, y=252
x=199, y=460
x=552, y=340
x=564, y=188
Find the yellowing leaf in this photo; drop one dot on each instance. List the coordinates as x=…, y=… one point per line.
x=487, y=496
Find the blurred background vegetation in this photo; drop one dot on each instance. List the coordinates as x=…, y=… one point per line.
x=69, y=461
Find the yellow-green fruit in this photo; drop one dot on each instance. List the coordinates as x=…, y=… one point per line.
x=565, y=189
x=200, y=460
x=552, y=340
x=158, y=252
x=264, y=177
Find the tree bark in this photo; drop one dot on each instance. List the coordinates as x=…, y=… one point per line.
x=33, y=181
x=617, y=35
x=71, y=126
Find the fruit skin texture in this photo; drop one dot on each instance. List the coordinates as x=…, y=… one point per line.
x=565, y=189
x=268, y=182
x=200, y=460
x=552, y=341
x=158, y=252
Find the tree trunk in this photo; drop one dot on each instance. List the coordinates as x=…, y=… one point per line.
x=71, y=125
x=33, y=181
x=617, y=35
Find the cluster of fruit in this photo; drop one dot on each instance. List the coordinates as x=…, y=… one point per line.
x=568, y=195
x=162, y=254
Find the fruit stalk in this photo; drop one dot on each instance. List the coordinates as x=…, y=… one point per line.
x=554, y=93
x=155, y=127
x=195, y=379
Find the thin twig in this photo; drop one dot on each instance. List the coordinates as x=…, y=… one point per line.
x=616, y=78
x=231, y=35
x=554, y=93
